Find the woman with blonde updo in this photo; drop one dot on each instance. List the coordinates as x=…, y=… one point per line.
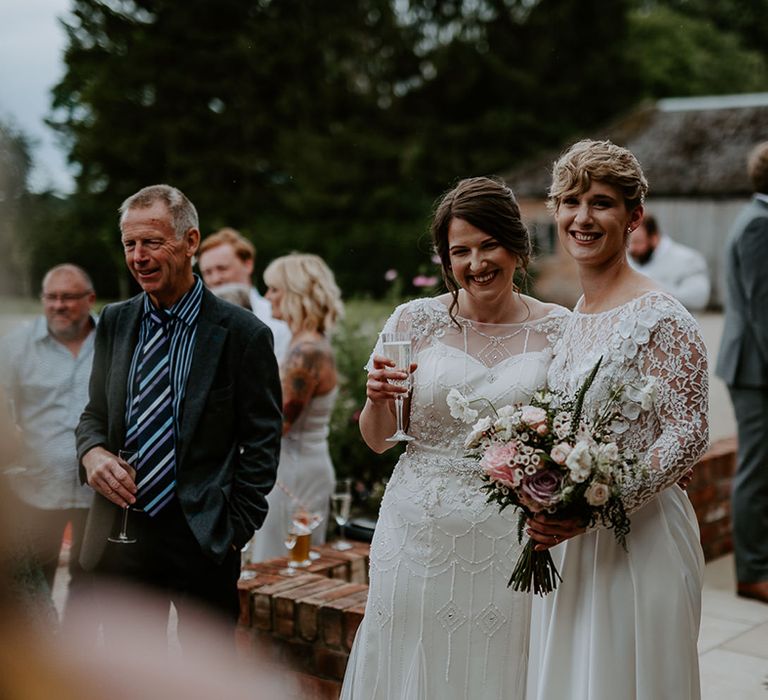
x=304, y=294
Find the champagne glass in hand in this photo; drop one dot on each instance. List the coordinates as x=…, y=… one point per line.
x=129, y=457
x=341, y=502
x=397, y=347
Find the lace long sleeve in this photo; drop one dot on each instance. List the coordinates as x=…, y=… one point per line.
x=676, y=357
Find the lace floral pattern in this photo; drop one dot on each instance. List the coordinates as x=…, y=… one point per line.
x=650, y=336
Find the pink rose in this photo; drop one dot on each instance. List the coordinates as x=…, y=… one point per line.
x=533, y=416
x=560, y=452
x=498, y=462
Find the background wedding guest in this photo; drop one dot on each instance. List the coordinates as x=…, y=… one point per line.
x=228, y=257
x=190, y=383
x=742, y=364
x=44, y=369
x=234, y=293
x=303, y=294
x=678, y=269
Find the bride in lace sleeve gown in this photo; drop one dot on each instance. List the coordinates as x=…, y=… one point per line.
x=623, y=624
x=440, y=622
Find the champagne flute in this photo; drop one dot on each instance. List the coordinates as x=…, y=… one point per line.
x=397, y=347
x=128, y=456
x=341, y=503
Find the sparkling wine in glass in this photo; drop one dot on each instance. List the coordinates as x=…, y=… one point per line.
x=341, y=503
x=397, y=347
x=128, y=456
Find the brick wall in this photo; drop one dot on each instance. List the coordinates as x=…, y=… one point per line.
x=710, y=494
x=307, y=622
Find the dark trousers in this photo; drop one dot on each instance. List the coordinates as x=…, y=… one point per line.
x=167, y=562
x=750, y=485
x=45, y=528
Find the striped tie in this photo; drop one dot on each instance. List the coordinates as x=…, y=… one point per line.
x=150, y=426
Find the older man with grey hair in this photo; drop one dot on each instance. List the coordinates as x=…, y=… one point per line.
x=183, y=422
x=44, y=370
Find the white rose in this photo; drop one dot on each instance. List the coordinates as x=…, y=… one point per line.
x=597, y=494
x=609, y=451
x=579, y=461
x=560, y=452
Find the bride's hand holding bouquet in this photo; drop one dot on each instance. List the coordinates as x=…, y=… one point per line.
x=561, y=469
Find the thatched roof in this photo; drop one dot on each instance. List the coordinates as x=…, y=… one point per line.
x=689, y=146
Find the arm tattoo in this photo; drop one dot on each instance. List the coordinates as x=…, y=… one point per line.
x=301, y=375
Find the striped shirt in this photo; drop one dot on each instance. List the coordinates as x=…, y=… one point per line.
x=183, y=329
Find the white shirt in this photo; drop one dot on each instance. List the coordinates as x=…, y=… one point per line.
x=280, y=331
x=679, y=270
x=48, y=389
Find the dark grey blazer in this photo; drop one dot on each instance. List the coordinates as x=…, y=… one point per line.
x=743, y=357
x=231, y=422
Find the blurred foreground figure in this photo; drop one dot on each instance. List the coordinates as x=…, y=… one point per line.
x=677, y=269
x=38, y=665
x=743, y=365
x=44, y=369
x=226, y=257
x=183, y=422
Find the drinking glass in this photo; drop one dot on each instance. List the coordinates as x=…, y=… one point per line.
x=246, y=573
x=128, y=456
x=341, y=503
x=296, y=539
x=397, y=347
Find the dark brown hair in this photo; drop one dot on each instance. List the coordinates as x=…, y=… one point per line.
x=489, y=205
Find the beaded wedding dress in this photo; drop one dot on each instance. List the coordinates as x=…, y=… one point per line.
x=440, y=622
x=623, y=625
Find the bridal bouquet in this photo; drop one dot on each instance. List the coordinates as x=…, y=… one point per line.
x=548, y=456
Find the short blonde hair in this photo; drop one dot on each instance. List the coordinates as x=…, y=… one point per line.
x=603, y=161
x=311, y=299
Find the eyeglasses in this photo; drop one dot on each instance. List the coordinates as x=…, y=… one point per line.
x=66, y=298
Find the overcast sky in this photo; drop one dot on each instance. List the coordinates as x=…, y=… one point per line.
x=31, y=47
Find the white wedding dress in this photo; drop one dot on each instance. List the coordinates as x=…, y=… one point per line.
x=440, y=622
x=624, y=625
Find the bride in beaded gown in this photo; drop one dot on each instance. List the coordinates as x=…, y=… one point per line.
x=623, y=625
x=440, y=621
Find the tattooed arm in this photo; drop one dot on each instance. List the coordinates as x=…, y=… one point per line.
x=309, y=370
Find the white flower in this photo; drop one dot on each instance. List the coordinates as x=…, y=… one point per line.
x=628, y=348
x=579, y=461
x=648, y=394
x=561, y=424
x=533, y=416
x=506, y=412
x=626, y=326
x=478, y=432
x=630, y=410
x=459, y=406
x=560, y=452
x=609, y=451
x=597, y=494
x=648, y=316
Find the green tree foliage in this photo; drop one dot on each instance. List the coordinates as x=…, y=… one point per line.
x=15, y=164
x=331, y=127
x=677, y=54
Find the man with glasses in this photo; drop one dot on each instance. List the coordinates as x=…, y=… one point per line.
x=44, y=370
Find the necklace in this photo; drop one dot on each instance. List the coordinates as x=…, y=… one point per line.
x=495, y=350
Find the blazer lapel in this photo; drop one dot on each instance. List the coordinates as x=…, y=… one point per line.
x=209, y=343
x=126, y=337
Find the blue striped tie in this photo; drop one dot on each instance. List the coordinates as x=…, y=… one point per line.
x=150, y=426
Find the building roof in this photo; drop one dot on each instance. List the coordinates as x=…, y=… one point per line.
x=688, y=146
